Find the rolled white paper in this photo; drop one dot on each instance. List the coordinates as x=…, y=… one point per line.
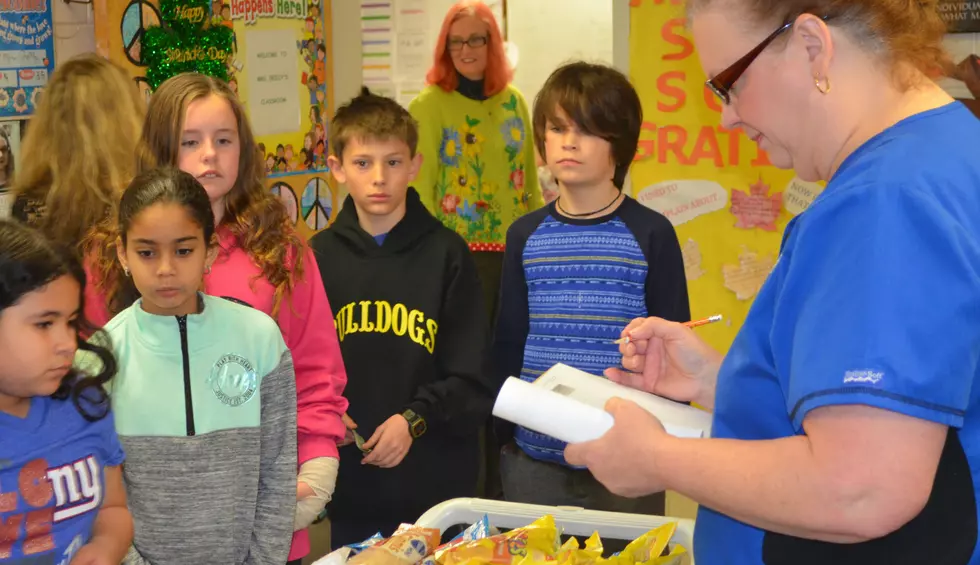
x=546, y=412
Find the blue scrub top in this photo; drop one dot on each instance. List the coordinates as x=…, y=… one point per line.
x=875, y=300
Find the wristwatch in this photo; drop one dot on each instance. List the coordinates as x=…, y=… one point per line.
x=416, y=423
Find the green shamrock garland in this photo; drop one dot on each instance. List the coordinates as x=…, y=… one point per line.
x=186, y=42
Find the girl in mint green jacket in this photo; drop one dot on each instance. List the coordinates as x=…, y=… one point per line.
x=205, y=397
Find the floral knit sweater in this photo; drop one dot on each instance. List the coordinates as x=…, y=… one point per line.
x=478, y=173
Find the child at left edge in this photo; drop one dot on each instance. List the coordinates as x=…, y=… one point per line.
x=62, y=498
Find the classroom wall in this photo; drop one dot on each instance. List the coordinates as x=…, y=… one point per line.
x=74, y=30
x=551, y=32
x=541, y=46
x=604, y=24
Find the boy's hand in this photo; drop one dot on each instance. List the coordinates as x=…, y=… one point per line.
x=349, y=434
x=389, y=444
x=91, y=554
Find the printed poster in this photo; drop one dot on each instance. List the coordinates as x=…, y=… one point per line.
x=26, y=55
x=281, y=71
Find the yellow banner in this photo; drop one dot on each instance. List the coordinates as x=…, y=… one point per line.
x=728, y=204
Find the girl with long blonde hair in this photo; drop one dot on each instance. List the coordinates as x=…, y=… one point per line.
x=78, y=154
x=197, y=124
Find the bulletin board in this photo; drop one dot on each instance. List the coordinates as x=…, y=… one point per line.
x=281, y=67
x=26, y=55
x=728, y=204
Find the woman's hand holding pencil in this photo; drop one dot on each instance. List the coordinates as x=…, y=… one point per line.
x=691, y=324
x=668, y=359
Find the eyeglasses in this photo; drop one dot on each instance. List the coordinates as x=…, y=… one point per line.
x=475, y=42
x=723, y=82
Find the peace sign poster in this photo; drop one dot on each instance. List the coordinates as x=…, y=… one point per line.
x=26, y=55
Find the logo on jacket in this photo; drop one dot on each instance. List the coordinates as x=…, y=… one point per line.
x=379, y=316
x=233, y=380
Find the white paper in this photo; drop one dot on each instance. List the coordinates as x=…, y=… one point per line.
x=412, y=17
x=683, y=200
x=546, y=412
x=273, y=73
x=568, y=404
x=799, y=194
x=377, y=41
x=412, y=56
x=681, y=420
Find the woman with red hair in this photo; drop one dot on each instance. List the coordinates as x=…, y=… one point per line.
x=478, y=173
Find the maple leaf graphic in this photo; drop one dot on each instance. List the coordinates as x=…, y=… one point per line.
x=756, y=208
x=746, y=278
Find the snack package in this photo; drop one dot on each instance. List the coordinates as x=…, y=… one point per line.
x=479, y=530
x=341, y=555
x=571, y=554
x=407, y=546
x=647, y=549
x=370, y=542
x=537, y=542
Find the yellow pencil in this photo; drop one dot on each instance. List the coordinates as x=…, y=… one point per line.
x=691, y=324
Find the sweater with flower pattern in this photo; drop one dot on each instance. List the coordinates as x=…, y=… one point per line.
x=478, y=173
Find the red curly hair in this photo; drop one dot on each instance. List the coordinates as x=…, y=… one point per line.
x=443, y=73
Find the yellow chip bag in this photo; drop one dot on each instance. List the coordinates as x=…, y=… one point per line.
x=571, y=554
x=647, y=549
x=537, y=542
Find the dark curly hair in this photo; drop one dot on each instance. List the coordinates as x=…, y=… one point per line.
x=28, y=262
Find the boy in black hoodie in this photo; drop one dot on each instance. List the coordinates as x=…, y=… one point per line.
x=412, y=326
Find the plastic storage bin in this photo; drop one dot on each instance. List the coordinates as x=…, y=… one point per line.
x=573, y=521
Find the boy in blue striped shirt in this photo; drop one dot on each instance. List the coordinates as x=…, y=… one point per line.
x=578, y=270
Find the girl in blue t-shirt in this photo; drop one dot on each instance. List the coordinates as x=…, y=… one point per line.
x=62, y=498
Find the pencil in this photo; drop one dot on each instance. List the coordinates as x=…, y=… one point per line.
x=691, y=324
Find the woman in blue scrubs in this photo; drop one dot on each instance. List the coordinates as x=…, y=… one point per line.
x=846, y=420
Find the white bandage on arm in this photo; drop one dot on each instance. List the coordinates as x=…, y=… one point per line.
x=320, y=474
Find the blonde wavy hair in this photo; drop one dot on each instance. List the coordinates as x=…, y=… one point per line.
x=79, y=149
x=254, y=216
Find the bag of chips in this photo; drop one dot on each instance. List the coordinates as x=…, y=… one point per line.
x=537, y=542
x=407, y=546
x=571, y=554
x=648, y=549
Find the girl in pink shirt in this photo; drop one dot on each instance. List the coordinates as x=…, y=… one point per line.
x=196, y=123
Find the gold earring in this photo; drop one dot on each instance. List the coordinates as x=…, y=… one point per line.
x=823, y=90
